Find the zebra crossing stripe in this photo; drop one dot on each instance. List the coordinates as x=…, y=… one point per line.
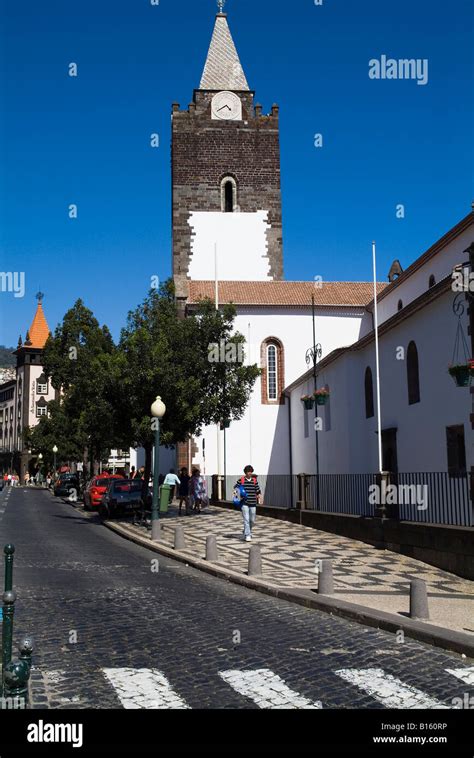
x=266, y=689
x=389, y=690
x=465, y=675
x=143, y=688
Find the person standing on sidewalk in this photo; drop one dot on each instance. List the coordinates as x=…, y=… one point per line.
x=197, y=490
x=249, y=485
x=173, y=481
x=184, y=490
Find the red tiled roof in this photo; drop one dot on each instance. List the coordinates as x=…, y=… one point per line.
x=39, y=329
x=285, y=293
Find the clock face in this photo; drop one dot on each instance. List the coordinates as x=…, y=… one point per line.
x=227, y=106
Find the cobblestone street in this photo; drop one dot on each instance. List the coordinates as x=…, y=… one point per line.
x=116, y=626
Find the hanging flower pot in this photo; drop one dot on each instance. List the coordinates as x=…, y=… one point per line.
x=308, y=401
x=461, y=374
x=322, y=396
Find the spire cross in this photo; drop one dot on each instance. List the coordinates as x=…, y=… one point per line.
x=220, y=5
x=39, y=296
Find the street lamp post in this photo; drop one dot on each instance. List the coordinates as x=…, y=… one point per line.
x=40, y=459
x=55, y=450
x=312, y=356
x=158, y=410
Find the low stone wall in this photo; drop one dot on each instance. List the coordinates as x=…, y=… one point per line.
x=447, y=547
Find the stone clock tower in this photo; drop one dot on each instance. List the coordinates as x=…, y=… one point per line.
x=225, y=177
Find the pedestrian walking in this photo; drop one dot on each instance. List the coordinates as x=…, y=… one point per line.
x=184, y=490
x=133, y=472
x=247, y=492
x=173, y=481
x=197, y=490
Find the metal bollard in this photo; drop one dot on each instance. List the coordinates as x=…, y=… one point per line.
x=211, y=549
x=179, y=539
x=418, y=600
x=9, y=551
x=326, y=579
x=255, y=560
x=7, y=630
x=17, y=674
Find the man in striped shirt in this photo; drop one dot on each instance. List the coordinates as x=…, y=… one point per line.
x=252, y=499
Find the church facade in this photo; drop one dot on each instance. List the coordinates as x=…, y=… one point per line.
x=228, y=238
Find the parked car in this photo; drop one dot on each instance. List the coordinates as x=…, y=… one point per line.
x=96, y=490
x=65, y=483
x=124, y=497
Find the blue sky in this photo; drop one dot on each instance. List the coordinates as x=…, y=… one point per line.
x=85, y=140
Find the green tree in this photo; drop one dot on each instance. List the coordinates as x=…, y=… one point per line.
x=79, y=359
x=161, y=353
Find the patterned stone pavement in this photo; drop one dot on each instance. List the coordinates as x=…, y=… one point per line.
x=112, y=631
x=363, y=574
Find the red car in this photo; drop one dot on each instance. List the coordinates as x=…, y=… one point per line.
x=96, y=490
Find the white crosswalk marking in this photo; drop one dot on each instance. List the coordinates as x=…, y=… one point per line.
x=389, y=690
x=465, y=675
x=266, y=689
x=143, y=688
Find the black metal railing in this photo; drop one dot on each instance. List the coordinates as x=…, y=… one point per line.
x=341, y=493
x=423, y=497
x=435, y=497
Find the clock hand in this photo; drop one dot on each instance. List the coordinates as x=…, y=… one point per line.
x=224, y=106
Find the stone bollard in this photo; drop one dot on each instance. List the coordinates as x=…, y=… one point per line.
x=255, y=560
x=179, y=539
x=156, y=530
x=211, y=549
x=326, y=579
x=418, y=600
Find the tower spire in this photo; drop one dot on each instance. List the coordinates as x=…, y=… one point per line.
x=223, y=69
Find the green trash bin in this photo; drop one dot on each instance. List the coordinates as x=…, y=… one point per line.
x=165, y=494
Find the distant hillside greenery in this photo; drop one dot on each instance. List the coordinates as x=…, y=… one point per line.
x=6, y=357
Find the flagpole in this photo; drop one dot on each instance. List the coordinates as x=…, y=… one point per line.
x=377, y=359
x=218, y=436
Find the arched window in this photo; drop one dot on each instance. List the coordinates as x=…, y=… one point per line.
x=228, y=195
x=432, y=281
x=413, y=374
x=273, y=371
x=400, y=305
x=369, y=393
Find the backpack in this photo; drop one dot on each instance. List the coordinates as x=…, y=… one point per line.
x=240, y=495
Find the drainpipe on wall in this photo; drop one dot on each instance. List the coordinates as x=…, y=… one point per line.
x=290, y=440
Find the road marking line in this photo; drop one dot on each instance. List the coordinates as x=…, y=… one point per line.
x=389, y=690
x=266, y=689
x=465, y=675
x=143, y=688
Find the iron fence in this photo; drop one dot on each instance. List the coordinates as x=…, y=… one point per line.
x=421, y=497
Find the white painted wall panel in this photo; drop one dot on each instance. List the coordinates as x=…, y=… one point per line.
x=242, y=248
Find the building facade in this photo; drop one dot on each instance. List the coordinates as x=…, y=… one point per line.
x=24, y=399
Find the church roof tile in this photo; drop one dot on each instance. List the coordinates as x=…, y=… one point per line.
x=274, y=293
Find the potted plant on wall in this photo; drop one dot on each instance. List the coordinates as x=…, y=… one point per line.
x=308, y=401
x=461, y=373
x=322, y=396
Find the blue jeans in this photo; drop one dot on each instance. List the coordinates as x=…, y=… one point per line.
x=249, y=516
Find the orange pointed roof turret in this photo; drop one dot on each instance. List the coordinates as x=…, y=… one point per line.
x=39, y=330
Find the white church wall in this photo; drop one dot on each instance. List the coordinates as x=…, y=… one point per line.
x=440, y=265
x=242, y=246
x=350, y=444
x=261, y=437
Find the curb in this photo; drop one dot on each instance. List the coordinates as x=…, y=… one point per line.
x=446, y=639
